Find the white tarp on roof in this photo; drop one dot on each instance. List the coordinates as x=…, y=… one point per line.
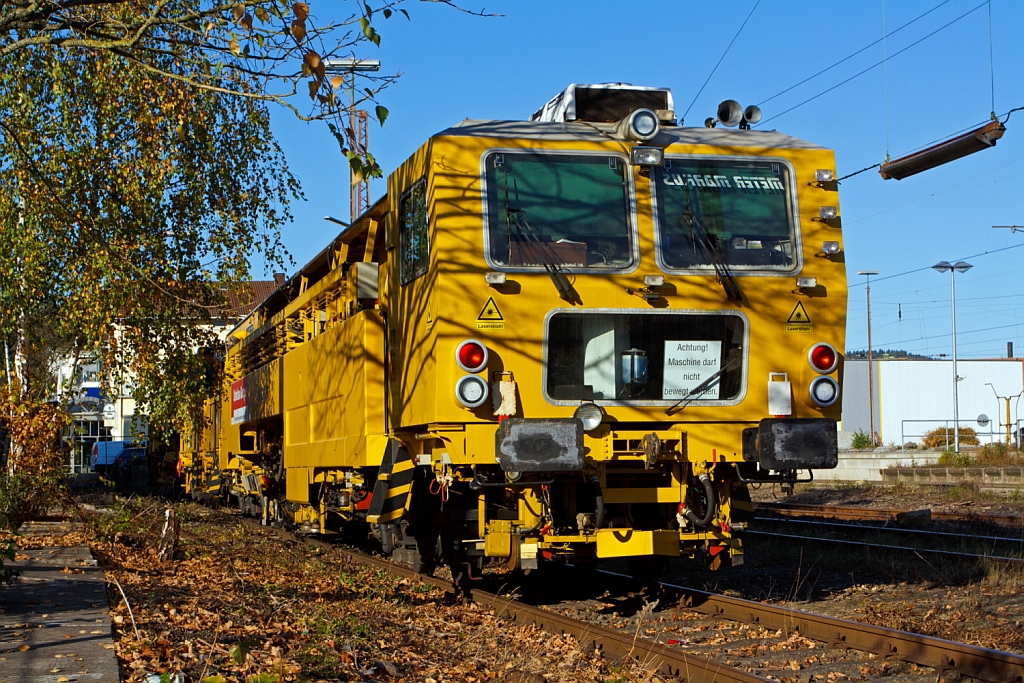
x=562, y=107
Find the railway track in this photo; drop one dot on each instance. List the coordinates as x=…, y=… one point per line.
x=884, y=515
x=1002, y=550
x=944, y=656
x=948, y=658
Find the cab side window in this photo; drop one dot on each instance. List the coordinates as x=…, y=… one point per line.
x=412, y=215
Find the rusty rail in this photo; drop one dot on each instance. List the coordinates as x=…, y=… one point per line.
x=882, y=514
x=943, y=655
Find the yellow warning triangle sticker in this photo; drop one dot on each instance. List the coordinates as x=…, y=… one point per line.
x=490, y=312
x=799, y=315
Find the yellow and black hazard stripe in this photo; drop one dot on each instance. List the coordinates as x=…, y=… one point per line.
x=394, y=482
x=213, y=482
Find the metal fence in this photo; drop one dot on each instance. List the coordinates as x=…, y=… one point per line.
x=990, y=436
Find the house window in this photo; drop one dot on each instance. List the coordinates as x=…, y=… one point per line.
x=412, y=212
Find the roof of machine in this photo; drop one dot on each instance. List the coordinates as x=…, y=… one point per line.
x=598, y=132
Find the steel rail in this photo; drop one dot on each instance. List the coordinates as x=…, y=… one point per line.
x=884, y=546
x=613, y=644
x=943, y=655
x=882, y=514
x=785, y=519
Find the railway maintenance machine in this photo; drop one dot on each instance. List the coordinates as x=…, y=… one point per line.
x=575, y=337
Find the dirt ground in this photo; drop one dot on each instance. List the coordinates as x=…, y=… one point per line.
x=240, y=603
x=243, y=604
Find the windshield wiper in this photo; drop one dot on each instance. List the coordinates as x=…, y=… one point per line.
x=712, y=249
x=699, y=389
x=524, y=234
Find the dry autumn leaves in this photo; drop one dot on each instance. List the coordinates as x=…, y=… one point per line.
x=242, y=604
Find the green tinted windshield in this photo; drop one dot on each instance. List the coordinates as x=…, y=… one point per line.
x=742, y=207
x=569, y=210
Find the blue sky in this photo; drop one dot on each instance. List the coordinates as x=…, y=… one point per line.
x=459, y=66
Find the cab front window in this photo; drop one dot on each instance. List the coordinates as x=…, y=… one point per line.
x=716, y=213
x=548, y=210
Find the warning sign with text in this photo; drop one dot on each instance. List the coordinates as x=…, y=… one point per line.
x=798, y=322
x=688, y=365
x=490, y=317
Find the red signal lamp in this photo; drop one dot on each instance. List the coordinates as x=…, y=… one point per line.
x=471, y=355
x=823, y=358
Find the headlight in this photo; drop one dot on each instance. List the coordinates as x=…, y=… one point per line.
x=647, y=156
x=590, y=415
x=643, y=124
x=471, y=391
x=824, y=391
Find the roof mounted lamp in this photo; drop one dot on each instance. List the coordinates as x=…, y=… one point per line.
x=731, y=113
x=640, y=125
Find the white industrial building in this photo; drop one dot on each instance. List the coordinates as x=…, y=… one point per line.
x=913, y=397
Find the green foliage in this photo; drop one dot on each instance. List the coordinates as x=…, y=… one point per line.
x=998, y=455
x=861, y=440
x=216, y=678
x=265, y=677
x=950, y=458
x=131, y=194
x=139, y=175
x=126, y=520
x=240, y=650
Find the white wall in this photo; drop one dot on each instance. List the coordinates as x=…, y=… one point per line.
x=923, y=390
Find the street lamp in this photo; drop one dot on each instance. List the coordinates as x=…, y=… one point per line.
x=871, y=370
x=357, y=131
x=953, y=269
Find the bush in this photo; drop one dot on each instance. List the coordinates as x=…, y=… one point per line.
x=951, y=459
x=942, y=437
x=35, y=478
x=910, y=446
x=997, y=454
x=861, y=440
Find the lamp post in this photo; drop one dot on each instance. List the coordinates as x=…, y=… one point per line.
x=871, y=369
x=357, y=129
x=953, y=269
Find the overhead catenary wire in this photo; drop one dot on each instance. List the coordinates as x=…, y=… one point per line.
x=873, y=66
x=719, y=61
x=885, y=79
x=851, y=56
x=924, y=268
x=991, y=60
